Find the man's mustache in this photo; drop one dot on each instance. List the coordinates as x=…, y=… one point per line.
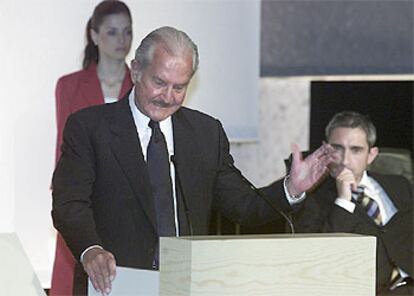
x=162, y=104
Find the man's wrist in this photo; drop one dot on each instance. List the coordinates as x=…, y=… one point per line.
x=292, y=199
x=89, y=248
x=288, y=188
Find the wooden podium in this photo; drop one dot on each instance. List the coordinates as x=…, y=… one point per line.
x=285, y=265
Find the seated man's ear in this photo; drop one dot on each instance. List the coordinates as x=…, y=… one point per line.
x=373, y=152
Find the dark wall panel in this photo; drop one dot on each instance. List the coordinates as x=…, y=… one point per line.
x=389, y=104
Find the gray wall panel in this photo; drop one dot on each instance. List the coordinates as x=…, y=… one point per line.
x=336, y=37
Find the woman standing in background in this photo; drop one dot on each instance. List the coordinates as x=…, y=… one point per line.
x=105, y=78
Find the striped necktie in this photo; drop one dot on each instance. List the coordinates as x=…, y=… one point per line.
x=369, y=205
x=373, y=211
x=396, y=279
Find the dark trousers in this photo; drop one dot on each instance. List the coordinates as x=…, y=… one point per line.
x=80, y=281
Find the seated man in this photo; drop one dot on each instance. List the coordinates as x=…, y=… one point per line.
x=356, y=201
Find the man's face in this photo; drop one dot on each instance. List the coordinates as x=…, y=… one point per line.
x=352, y=150
x=160, y=88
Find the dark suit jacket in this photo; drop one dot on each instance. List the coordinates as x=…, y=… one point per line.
x=101, y=189
x=394, y=240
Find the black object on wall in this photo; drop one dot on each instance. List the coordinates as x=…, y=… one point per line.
x=325, y=37
x=389, y=104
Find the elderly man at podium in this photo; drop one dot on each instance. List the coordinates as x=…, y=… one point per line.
x=146, y=167
x=355, y=200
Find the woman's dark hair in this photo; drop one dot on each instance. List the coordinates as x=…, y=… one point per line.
x=103, y=9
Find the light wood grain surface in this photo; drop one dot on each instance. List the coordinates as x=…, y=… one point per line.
x=319, y=264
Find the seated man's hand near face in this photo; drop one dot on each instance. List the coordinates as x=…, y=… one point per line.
x=308, y=172
x=345, y=184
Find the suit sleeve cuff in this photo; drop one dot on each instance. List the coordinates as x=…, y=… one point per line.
x=89, y=248
x=292, y=199
x=345, y=204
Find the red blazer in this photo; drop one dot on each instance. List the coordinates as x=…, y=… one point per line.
x=73, y=92
x=79, y=90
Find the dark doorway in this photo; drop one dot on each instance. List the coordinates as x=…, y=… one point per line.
x=388, y=103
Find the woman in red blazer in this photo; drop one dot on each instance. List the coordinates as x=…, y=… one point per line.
x=104, y=78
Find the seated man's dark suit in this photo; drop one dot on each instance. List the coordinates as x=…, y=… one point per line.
x=319, y=213
x=102, y=193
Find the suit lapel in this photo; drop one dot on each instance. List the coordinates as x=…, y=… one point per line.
x=90, y=87
x=91, y=90
x=392, y=191
x=127, y=150
x=126, y=84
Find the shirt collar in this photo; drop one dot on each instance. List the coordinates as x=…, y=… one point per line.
x=369, y=184
x=144, y=131
x=364, y=180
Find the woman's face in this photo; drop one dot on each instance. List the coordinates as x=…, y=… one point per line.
x=114, y=37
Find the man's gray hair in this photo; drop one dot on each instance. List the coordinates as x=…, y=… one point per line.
x=350, y=119
x=176, y=43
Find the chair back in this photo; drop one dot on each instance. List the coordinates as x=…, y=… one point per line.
x=393, y=161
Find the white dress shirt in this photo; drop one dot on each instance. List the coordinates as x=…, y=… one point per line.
x=109, y=100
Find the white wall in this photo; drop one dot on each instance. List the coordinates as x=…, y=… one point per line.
x=43, y=39
x=228, y=36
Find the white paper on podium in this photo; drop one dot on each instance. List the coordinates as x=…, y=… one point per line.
x=132, y=281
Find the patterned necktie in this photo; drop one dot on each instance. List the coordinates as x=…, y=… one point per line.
x=159, y=173
x=369, y=205
x=396, y=280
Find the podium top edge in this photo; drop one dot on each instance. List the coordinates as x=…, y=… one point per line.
x=268, y=236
